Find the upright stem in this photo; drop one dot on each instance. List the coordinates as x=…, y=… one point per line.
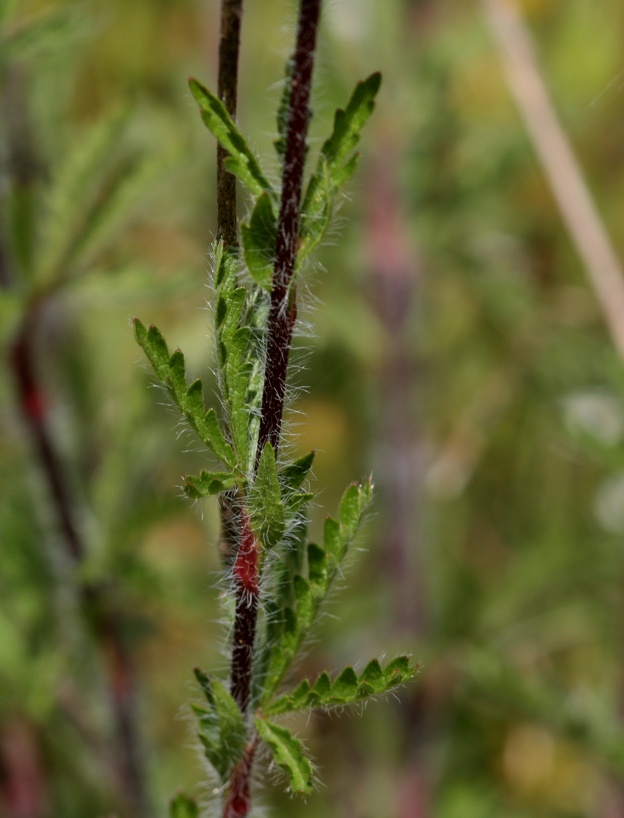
x=281, y=321
x=283, y=312
x=229, y=44
x=227, y=223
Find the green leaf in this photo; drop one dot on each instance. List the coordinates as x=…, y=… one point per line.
x=317, y=571
x=283, y=639
x=189, y=400
x=293, y=475
x=208, y=483
x=182, y=806
x=288, y=754
x=283, y=111
x=258, y=239
x=305, y=602
x=154, y=346
x=353, y=504
x=210, y=432
x=241, y=162
x=345, y=686
x=266, y=506
x=339, y=534
x=336, y=164
x=349, y=123
x=346, y=689
x=238, y=351
x=222, y=728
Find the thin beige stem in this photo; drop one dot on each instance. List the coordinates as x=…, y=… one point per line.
x=559, y=163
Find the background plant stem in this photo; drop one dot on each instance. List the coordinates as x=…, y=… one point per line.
x=229, y=44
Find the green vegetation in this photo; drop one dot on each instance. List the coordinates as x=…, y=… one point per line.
x=457, y=354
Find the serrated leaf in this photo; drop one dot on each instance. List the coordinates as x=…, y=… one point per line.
x=242, y=161
x=349, y=123
x=258, y=240
x=288, y=754
x=266, y=506
x=210, y=432
x=336, y=164
x=222, y=730
x=190, y=400
x=182, y=806
x=208, y=483
x=346, y=689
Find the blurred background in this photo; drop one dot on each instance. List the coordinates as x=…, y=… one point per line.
x=456, y=350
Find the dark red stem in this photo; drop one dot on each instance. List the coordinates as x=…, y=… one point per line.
x=246, y=576
x=229, y=45
x=283, y=310
x=238, y=798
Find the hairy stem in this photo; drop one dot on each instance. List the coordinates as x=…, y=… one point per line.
x=231, y=14
x=246, y=570
x=280, y=327
x=283, y=310
x=238, y=797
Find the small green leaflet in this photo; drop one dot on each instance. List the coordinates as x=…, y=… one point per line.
x=222, y=728
x=258, y=239
x=347, y=688
x=337, y=163
x=241, y=162
x=189, y=399
x=288, y=754
x=208, y=483
x=265, y=502
x=183, y=807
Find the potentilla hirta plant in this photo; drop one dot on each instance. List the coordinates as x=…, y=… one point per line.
x=276, y=579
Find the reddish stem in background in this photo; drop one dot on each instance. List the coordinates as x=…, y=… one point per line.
x=107, y=628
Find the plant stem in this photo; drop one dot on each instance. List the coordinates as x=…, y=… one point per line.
x=229, y=43
x=283, y=310
x=281, y=321
x=246, y=588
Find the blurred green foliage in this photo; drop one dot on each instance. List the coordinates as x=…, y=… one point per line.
x=458, y=354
